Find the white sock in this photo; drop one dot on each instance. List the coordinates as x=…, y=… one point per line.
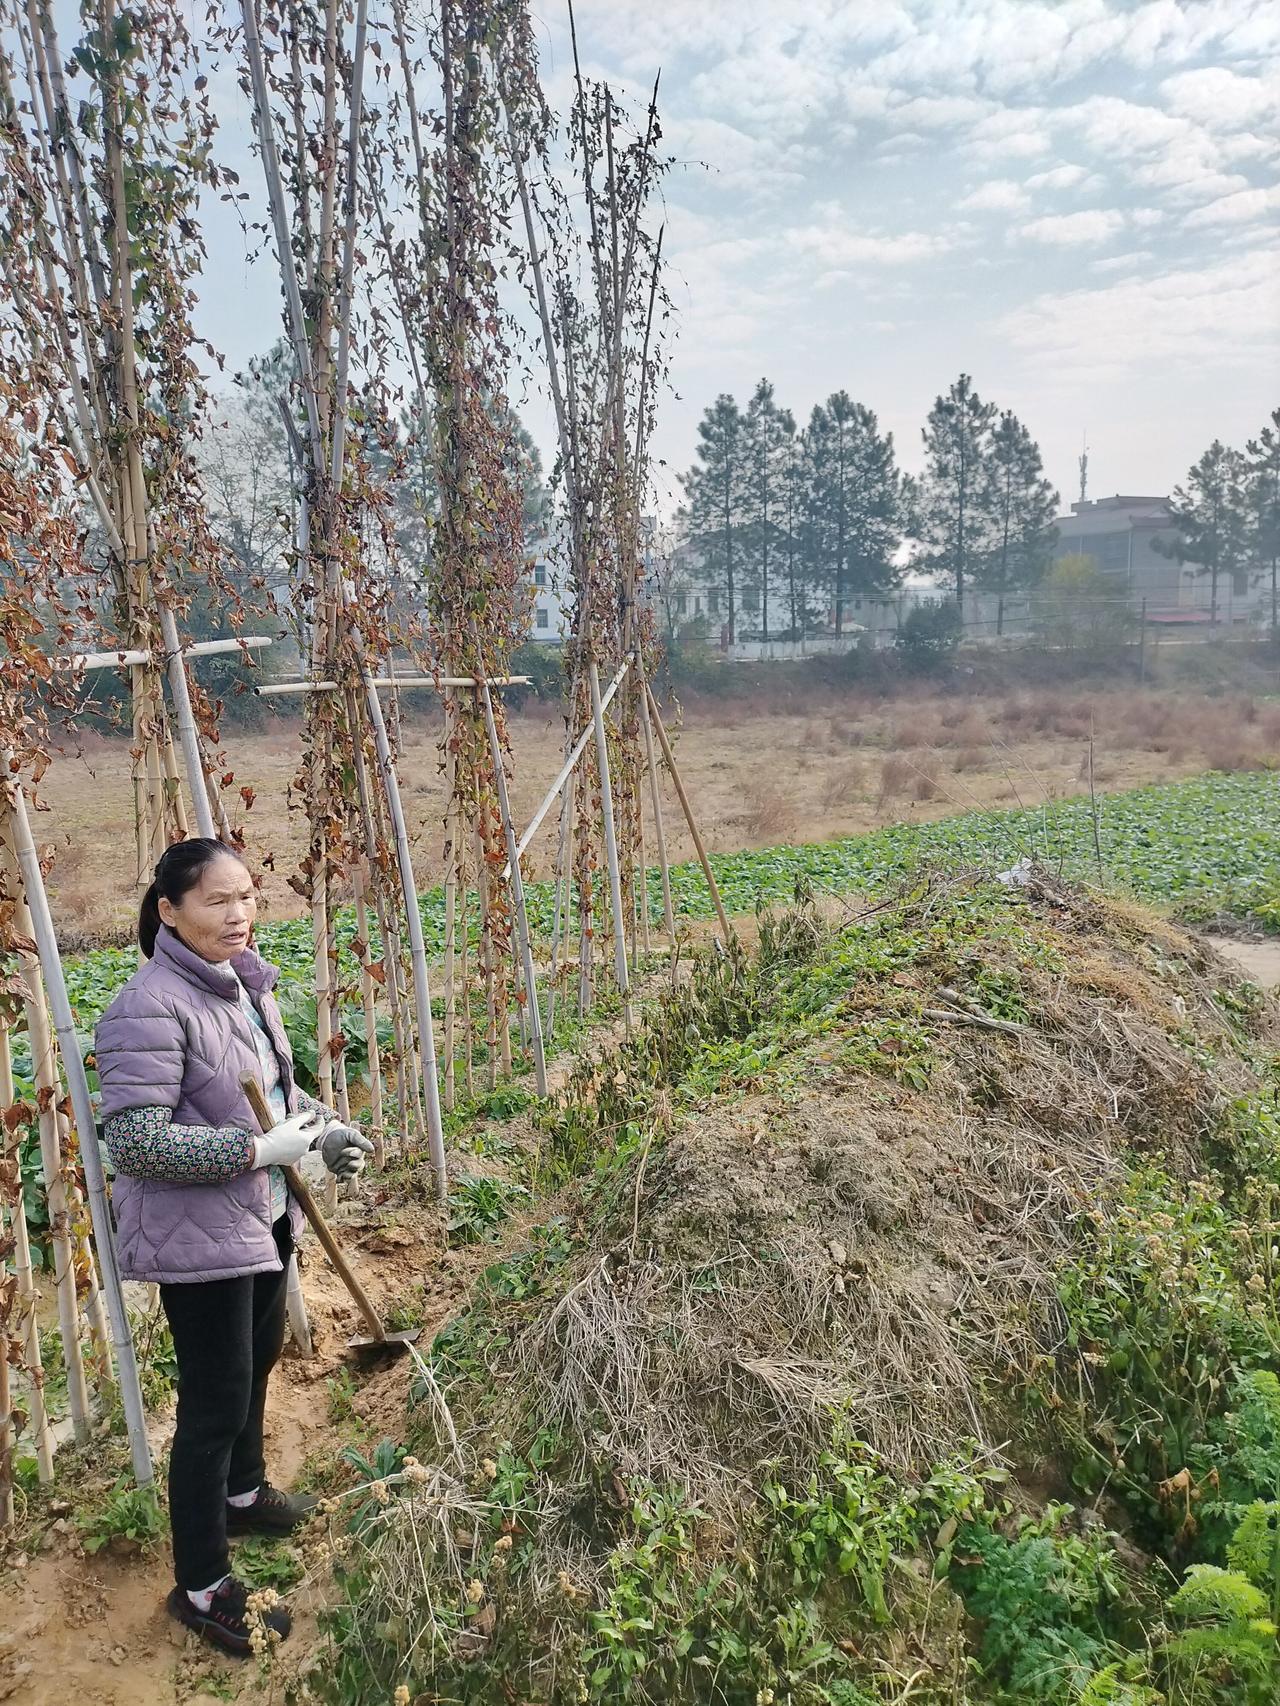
x=242, y=1501
x=202, y=1598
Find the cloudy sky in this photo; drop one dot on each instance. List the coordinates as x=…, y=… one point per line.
x=1073, y=200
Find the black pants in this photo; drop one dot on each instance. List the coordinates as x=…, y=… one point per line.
x=227, y=1336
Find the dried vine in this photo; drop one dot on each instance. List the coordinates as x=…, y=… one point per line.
x=596, y=287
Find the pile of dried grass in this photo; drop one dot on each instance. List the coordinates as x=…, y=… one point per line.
x=852, y=1244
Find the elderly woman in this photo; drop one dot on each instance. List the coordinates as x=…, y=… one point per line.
x=202, y=1205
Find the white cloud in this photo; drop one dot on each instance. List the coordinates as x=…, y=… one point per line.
x=997, y=195
x=1067, y=230
x=1223, y=313
x=1008, y=133
x=1161, y=151
x=1130, y=261
x=937, y=112
x=1243, y=208
x=900, y=143
x=1221, y=99
x=841, y=247
x=735, y=160
x=1060, y=178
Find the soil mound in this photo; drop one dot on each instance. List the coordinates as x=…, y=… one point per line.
x=869, y=1212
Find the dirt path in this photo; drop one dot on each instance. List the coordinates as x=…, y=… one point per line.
x=93, y=1629
x=1259, y=961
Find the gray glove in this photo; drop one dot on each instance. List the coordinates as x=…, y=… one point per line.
x=343, y=1149
x=287, y=1141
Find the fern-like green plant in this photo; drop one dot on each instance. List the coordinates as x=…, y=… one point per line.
x=1265, y=1389
x=1254, y=1550
x=1231, y=1642
x=1110, y=1688
x=1223, y=1595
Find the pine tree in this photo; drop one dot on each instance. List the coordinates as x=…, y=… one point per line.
x=764, y=452
x=715, y=491
x=875, y=503
x=1262, y=472
x=1210, y=517
x=957, y=522
x=857, y=503
x=792, y=456
x=817, y=532
x=840, y=409
x=1024, y=504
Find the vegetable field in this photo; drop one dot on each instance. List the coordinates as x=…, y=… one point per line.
x=1203, y=848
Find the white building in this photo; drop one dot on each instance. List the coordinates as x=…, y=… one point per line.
x=547, y=571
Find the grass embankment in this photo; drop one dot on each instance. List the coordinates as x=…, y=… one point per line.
x=909, y=1332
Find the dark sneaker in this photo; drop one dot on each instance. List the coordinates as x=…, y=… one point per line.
x=272, y=1512
x=226, y=1623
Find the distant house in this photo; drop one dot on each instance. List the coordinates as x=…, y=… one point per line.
x=1122, y=534
x=546, y=575
x=548, y=579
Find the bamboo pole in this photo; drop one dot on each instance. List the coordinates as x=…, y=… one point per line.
x=78, y=662
x=27, y=1300
x=44, y=1071
x=610, y=846
x=531, y=1008
x=280, y=222
x=579, y=747
x=8, y=1299
x=560, y=918
x=452, y=863
x=485, y=958
x=179, y=687
x=726, y=929
x=91, y=1307
x=82, y=1108
x=354, y=113
x=640, y=890
x=410, y=1090
x=369, y=997
x=390, y=936
x=468, y=1030
x=659, y=828
x=389, y=684
x=417, y=948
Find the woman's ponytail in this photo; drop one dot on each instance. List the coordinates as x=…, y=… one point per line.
x=149, y=920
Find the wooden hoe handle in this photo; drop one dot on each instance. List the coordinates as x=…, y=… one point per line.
x=298, y=1185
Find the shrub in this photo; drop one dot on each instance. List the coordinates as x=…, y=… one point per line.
x=544, y=665
x=930, y=634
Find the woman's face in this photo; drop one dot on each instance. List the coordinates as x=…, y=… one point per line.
x=215, y=918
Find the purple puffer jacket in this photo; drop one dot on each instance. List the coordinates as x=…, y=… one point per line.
x=176, y=1037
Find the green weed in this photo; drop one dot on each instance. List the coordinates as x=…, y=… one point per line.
x=477, y=1206
x=128, y=1514
x=263, y=1563
x=1046, y=1600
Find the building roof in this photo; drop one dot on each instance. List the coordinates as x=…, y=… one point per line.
x=1116, y=511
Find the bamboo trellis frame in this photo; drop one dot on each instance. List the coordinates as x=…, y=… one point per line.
x=322, y=355
x=324, y=210
x=44, y=980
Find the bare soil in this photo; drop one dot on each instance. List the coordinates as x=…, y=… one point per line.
x=95, y=1628
x=758, y=775
x=1259, y=961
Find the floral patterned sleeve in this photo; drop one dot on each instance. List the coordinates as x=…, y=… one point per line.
x=144, y=1143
